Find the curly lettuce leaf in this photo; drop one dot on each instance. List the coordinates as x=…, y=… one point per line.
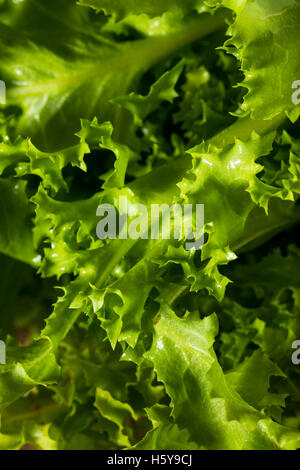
x=123, y=8
x=199, y=389
x=265, y=39
x=55, y=88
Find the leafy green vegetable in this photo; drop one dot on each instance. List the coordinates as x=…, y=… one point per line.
x=144, y=344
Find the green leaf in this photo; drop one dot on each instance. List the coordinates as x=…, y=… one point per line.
x=49, y=166
x=56, y=89
x=255, y=393
x=162, y=90
x=116, y=413
x=12, y=152
x=102, y=134
x=123, y=8
x=219, y=180
x=26, y=368
x=16, y=212
x=148, y=345
x=265, y=39
x=204, y=402
x=166, y=437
